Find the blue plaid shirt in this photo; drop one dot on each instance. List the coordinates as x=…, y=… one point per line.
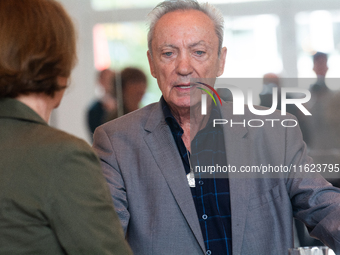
x=211, y=195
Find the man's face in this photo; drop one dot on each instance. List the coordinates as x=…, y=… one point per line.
x=106, y=80
x=320, y=66
x=184, y=46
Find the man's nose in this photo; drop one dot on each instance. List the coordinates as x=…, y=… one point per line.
x=184, y=65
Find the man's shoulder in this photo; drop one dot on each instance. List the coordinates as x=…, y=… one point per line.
x=272, y=125
x=254, y=112
x=59, y=143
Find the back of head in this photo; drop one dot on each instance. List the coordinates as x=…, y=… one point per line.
x=37, y=45
x=182, y=5
x=271, y=78
x=319, y=56
x=133, y=88
x=132, y=75
x=106, y=79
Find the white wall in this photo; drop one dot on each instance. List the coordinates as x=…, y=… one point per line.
x=70, y=116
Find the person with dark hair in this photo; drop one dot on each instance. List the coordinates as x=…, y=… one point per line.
x=133, y=85
x=133, y=88
x=270, y=81
x=320, y=68
x=149, y=157
x=53, y=196
x=320, y=138
x=104, y=108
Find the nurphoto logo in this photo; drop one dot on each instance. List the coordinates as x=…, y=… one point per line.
x=239, y=103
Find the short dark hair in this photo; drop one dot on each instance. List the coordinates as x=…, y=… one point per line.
x=101, y=74
x=37, y=45
x=132, y=75
x=319, y=55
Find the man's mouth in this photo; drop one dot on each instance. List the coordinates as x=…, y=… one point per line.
x=184, y=86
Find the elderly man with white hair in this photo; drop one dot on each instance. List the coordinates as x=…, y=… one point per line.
x=147, y=158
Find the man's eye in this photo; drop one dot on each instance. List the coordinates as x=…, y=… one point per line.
x=168, y=54
x=199, y=52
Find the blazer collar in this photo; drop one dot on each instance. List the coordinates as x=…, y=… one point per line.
x=238, y=154
x=238, y=130
x=14, y=109
x=155, y=118
x=162, y=146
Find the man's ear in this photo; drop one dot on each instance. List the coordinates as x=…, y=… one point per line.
x=222, y=61
x=151, y=64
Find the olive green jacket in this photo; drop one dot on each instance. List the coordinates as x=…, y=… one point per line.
x=53, y=196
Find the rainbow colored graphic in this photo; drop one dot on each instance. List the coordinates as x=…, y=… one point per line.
x=212, y=89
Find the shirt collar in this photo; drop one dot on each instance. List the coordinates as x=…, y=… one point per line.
x=172, y=122
x=169, y=118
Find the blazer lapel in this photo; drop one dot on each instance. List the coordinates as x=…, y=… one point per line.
x=162, y=146
x=236, y=148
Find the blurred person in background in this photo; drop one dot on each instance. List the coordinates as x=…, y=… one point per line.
x=270, y=81
x=53, y=196
x=320, y=139
x=133, y=87
x=133, y=84
x=101, y=110
x=320, y=67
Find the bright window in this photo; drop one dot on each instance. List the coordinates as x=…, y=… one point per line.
x=318, y=31
x=121, y=45
x=252, y=46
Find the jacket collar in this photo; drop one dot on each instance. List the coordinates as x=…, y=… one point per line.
x=13, y=109
x=162, y=145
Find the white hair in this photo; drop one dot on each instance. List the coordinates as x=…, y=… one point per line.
x=180, y=5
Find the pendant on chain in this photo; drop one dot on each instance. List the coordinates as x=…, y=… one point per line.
x=191, y=179
x=190, y=176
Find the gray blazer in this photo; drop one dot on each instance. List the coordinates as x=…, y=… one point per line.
x=149, y=188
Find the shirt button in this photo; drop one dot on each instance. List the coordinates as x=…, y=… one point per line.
x=200, y=182
x=204, y=216
x=208, y=252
